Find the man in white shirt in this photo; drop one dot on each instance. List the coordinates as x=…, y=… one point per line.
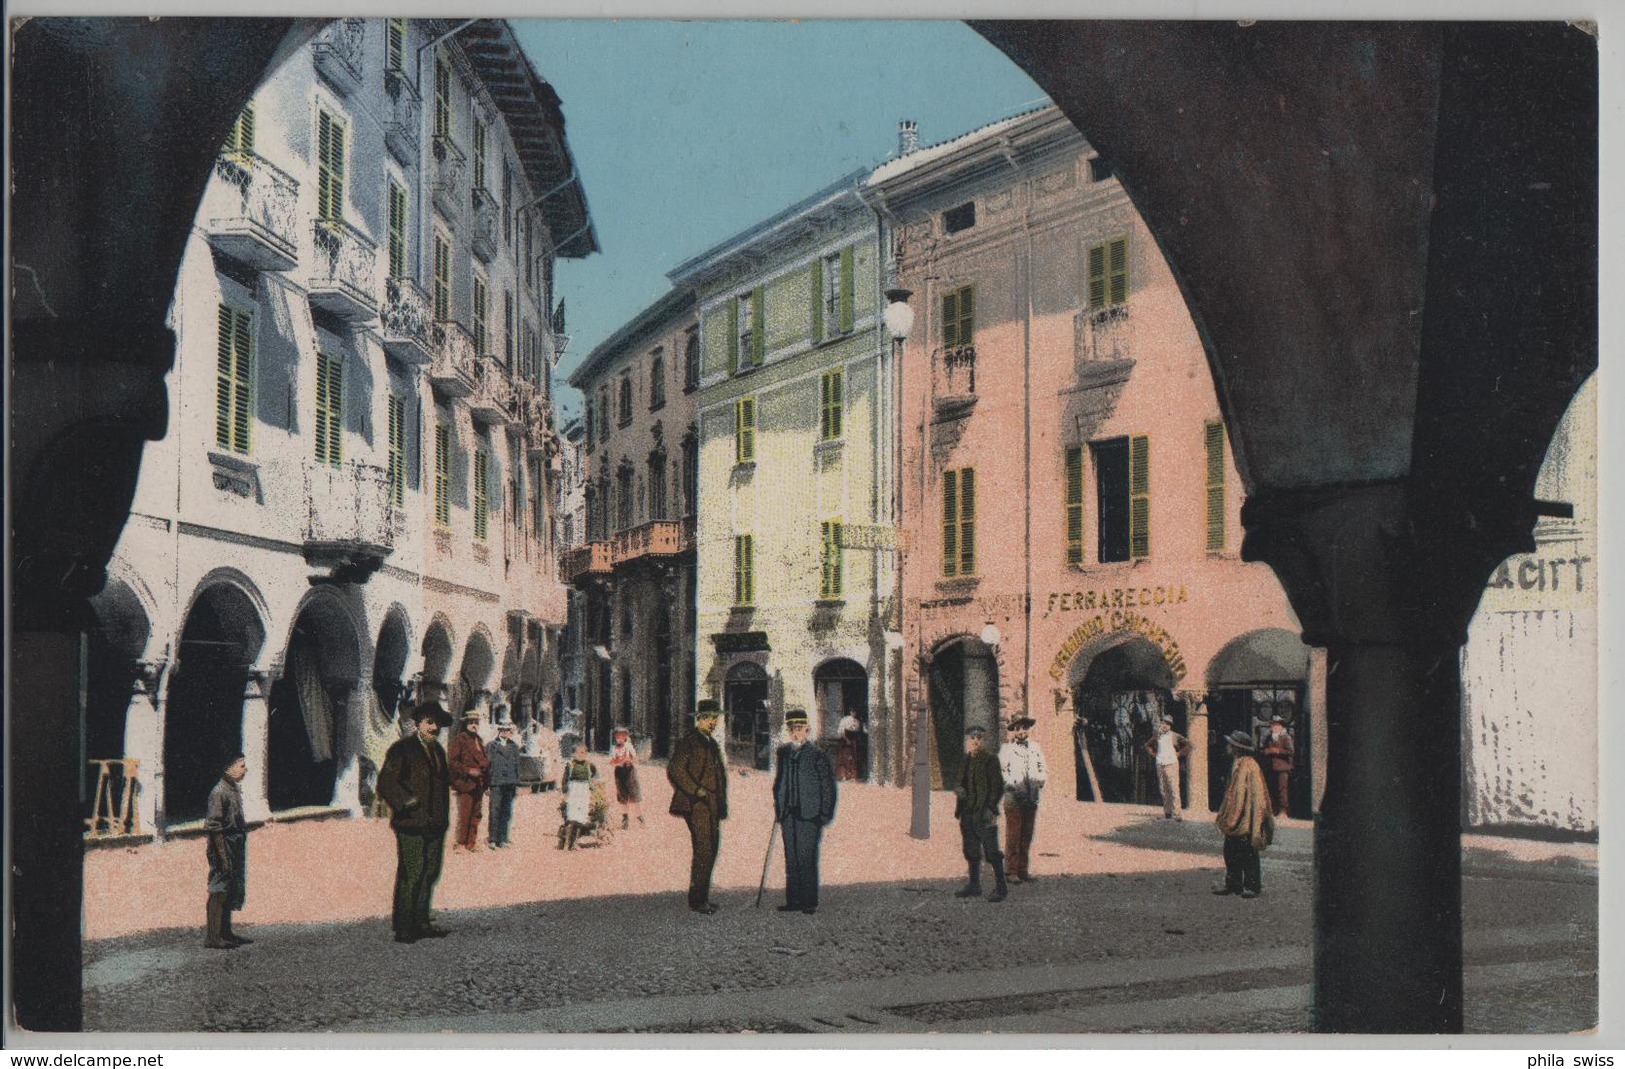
x=1022, y=763
x=1167, y=747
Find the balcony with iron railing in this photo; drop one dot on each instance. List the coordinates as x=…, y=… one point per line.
x=483, y=234
x=337, y=54
x=488, y=404
x=449, y=162
x=343, y=275
x=454, y=371
x=953, y=380
x=1103, y=346
x=408, y=334
x=351, y=522
x=587, y=560
x=401, y=130
x=657, y=538
x=258, y=225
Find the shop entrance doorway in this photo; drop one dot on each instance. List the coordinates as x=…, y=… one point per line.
x=745, y=703
x=1121, y=696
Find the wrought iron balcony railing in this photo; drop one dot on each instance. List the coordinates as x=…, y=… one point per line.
x=1103, y=335
x=492, y=392
x=263, y=231
x=454, y=370
x=483, y=234
x=351, y=520
x=337, y=54
x=344, y=277
x=448, y=177
x=405, y=318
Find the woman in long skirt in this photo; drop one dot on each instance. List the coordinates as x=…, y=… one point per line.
x=623, y=758
x=577, y=782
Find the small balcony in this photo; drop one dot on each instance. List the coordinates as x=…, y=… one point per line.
x=489, y=402
x=408, y=335
x=954, y=380
x=522, y=397
x=401, y=129
x=263, y=231
x=343, y=278
x=660, y=538
x=337, y=54
x=483, y=235
x=1103, y=335
x=448, y=177
x=454, y=370
x=585, y=561
x=351, y=521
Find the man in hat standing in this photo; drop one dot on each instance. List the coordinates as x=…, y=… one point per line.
x=1021, y=762
x=470, y=776
x=1166, y=748
x=503, y=755
x=415, y=782
x=981, y=786
x=1244, y=820
x=228, y=854
x=699, y=794
x=1278, y=751
x=803, y=802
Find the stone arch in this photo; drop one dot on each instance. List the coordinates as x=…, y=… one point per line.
x=438, y=651
x=392, y=653
x=963, y=681
x=1122, y=685
x=1258, y=675
x=475, y=672
x=316, y=713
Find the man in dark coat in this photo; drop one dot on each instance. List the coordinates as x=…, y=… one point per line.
x=227, y=832
x=1278, y=751
x=803, y=802
x=470, y=776
x=504, y=766
x=415, y=781
x=981, y=788
x=699, y=794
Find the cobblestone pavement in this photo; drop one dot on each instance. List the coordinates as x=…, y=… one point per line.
x=1136, y=944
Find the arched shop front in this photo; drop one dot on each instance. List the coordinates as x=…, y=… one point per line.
x=1257, y=676
x=745, y=705
x=964, y=692
x=1119, y=695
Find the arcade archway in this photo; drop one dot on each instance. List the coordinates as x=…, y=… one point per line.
x=119, y=739
x=1119, y=695
x=437, y=655
x=963, y=683
x=311, y=713
x=745, y=705
x=1255, y=677
x=842, y=686
x=474, y=676
x=203, y=719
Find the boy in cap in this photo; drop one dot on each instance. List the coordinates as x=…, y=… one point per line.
x=981, y=785
x=503, y=755
x=699, y=794
x=470, y=775
x=1244, y=820
x=228, y=854
x=1021, y=762
x=803, y=802
x=415, y=781
x=1166, y=748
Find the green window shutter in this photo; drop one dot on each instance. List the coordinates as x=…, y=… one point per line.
x=225, y=380
x=848, y=305
x=1214, y=434
x=442, y=98
x=733, y=337
x=745, y=430
x=837, y=410
x=1118, y=265
x=967, y=315
x=1097, y=277
x=442, y=279
x=758, y=328
x=329, y=410
x=482, y=505
x=823, y=408
x=744, y=570
x=395, y=44
x=321, y=408
x=442, y=475
x=324, y=174
x=242, y=383
x=481, y=311
x=397, y=230
x=479, y=155
x=967, y=521
x=245, y=136
x=837, y=580
x=818, y=300
x=507, y=328
x=950, y=523
x=397, y=450
x=824, y=555
x=1139, y=496
x=1074, y=505
x=950, y=319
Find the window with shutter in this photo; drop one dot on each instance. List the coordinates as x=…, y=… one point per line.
x=234, y=376
x=329, y=409
x=330, y=135
x=1140, y=496
x=758, y=320
x=394, y=45
x=745, y=430
x=830, y=572
x=848, y=305
x=442, y=474
x=1213, y=434
x=831, y=410
x=397, y=450
x=734, y=316
x=482, y=501
x=959, y=317
x=479, y=155
x=744, y=571
x=239, y=144
x=397, y=230
x=1074, y=505
x=1108, y=274
x=657, y=381
x=967, y=521
x=950, y=523
x=482, y=312
x=820, y=298
x=442, y=98
x=442, y=279
x=507, y=329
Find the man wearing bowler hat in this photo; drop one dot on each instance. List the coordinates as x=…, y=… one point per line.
x=803, y=802
x=415, y=781
x=1021, y=762
x=1244, y=819
x=470, y=777
x=981, y=786
x=699, y=794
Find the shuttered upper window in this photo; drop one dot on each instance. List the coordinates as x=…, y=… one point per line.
x=394, y=45
x=397, y=450
x=330, y=134
x=834, y=311
x=234, y=379
x=744, y=570
x=1074, y=505
x=1213, y=435
x=482, y=500
x=442, y=279
x=746, y=332
x=1108, y=274
x=959, y=317
x=442, y=474
x=830, y=559
x=1123, y=493
x=507, y=329
x=397, y=230
x=239, y=144
x=479, y=156
x=959, y=522
x=482, y=316
x=442, y=98
x=832, y=387
x=329, y=409
x=745, y=430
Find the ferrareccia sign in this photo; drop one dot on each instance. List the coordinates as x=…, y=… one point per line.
x=1143, y=597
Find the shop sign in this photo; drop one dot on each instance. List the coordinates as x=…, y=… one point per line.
x=740, y=641
x=1118, y=623
x=1115, y=598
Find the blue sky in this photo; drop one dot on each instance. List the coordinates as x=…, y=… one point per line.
x=686, y=132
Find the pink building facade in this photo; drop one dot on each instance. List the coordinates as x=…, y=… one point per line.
x=1066, y=479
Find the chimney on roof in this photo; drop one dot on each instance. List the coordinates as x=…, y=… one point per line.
x=908, y=137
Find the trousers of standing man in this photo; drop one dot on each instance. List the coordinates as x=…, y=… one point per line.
x=705, y=834
x=979, y=836
x=801, y=839
x=1020, y=817
x=418, y=857
x=502, y=798
x=1242, y=871
x=469, y=811
x=1168, y=781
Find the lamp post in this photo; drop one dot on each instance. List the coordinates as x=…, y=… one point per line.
x=898, y=319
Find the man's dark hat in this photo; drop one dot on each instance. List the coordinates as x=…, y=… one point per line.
x=975, y=732
x=707, y=707
x=432, y=710
x=795, y=718
x=1240, y=740
x=1022, y=723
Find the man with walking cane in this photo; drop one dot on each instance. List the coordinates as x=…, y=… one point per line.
x=803, y=802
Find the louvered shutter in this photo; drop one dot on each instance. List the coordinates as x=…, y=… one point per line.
x=243, y=383
x=967, y=315
x=818, y=300
x=397, y=450
x=224, y=381
x=396, y=44
x=482, y=475
x=950, y=523
x=733, y=337
x=1139, y=496
x=836, y=402
x=758, y=328
x=848, y=305
x=1097, y=277
x=1074, y=505
x=745, y=426
x=1215, y=486
x=950, y=319
x=823, y=408
x=442, y=474
x=967, y=521
x=321, y=408
x=837, y=580
x=1119, y=271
